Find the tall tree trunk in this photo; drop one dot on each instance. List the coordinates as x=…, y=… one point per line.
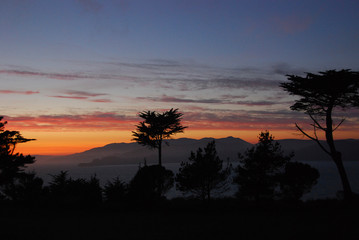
x=160, y=153
x=343, y=176
x=337, y=156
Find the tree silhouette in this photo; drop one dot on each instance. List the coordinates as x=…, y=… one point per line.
x=27, y=188
x=259, y=169
x=265, y=173
x=81, y=192
x=115, y=191
x=156, y=127
x=320, y=94
x=298, y=178
x=150, y=184
x=203, y=174
x=12, y=165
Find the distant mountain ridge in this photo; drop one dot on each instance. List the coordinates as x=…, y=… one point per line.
x=179, y=150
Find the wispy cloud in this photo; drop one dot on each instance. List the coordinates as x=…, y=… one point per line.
x=97, y=121
x=71, y=97
x=18, y=92
x=195, y=118
x=227, y=100
x=165, y=98
x=59, y=76
x=174, y=75
x=101, y=100
x=69, y=76
x=110, y=121
x=191, y=76
x=82, y=95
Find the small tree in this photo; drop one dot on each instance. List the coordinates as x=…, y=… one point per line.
x=265, y=173
x=12, y=165
x=259, y=169
x=320, y=94
x=156, y=127
x=203, y=174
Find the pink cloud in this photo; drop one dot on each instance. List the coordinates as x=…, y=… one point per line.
x=202, y=120
x=101, y=100
x=18, y=92
x=100, y=121
x=71, y=97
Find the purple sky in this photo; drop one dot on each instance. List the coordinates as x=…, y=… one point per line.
x=217, y=61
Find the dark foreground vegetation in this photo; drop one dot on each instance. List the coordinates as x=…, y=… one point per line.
x=184, y=219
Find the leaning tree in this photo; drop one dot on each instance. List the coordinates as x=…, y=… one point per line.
x=319, y=95
x=156, y=127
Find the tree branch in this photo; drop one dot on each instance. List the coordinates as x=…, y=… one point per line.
x=316, y=123
x=339, y=124
x=315, y=139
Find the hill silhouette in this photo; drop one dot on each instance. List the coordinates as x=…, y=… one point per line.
x=179, y=150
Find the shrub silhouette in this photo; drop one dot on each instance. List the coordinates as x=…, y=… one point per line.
x=150, y=183
x=203, y=174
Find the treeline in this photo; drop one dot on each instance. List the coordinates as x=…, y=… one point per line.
x=263, y=174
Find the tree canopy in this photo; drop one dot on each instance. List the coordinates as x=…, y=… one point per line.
x=157, y=126
x=319, y=93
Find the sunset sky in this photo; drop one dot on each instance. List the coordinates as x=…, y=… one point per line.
x=75, y=73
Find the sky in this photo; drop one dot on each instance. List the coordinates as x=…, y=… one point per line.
x=75, y=74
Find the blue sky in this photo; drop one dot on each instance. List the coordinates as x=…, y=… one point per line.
x=218, y=61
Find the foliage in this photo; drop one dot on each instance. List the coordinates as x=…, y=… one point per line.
x=150, y=183
x=26, y=188
x=115, y=191
x=64, y=190
x=319, y=95
x=323, y=91
x=156, y=127
x=259, y=168
x=265, y=173
x=12, y=165
x=297, y=179
x=203, y=174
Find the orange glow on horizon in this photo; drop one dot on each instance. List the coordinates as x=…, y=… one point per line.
x=63, y=143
